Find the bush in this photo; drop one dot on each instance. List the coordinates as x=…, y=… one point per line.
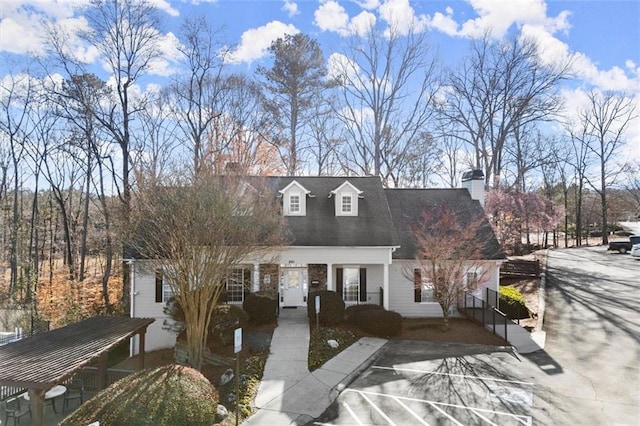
x=512, y=303
x=225, y=320
x=173, y=395
x=261, y=309
x=352, y=312
x=331, y=307
x=380, y=323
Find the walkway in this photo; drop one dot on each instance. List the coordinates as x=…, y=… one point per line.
x=289, y=393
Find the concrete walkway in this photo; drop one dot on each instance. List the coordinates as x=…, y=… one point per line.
x=288, y=393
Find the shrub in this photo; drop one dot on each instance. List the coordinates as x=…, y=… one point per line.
x=352, y=312
x=261, y=309
x=225, y=320
x=173, y=395
x=380, y=323
x=512, y=303
x=331, y=307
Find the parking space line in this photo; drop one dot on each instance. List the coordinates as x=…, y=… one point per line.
x=413, y=413
x=465, y=376
x=519, y=417
x=362, y=394
x=353, y=415
x=483, y=417
x=445, y=413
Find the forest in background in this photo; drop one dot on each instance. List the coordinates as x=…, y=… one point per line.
x=76, y=148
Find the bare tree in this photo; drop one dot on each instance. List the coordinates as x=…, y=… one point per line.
x=195, y=232
x=195, y=94
x=125, y=33
x=386, y=83
x=604, y=123
x=16, y=100
x=449, y=249
x=238, y=137
x=498, y=88
x=294, y=82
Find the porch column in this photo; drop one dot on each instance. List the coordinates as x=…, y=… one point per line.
x=102, y=371
x=142, y=350
x=36, y=399
x=385, y=286
x=256, y=278
x=330, y=285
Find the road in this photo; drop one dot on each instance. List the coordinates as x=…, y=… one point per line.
x=588, y=374
x=591, y=359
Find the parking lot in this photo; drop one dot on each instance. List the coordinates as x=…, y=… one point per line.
x=587, y=374
x=424, y=383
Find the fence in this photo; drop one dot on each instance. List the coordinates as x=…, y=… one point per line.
x=520, y=268
x=481, y=311
x=89, y=376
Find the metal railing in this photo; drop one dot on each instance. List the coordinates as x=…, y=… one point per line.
x=489, y=316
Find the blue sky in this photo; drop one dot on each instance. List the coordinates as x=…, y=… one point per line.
x=604, y=34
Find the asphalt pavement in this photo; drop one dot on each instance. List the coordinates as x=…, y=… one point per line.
x=588, y=373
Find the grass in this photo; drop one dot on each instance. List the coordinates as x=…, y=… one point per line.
x=429, y=326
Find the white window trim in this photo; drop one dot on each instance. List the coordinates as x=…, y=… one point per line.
x=345, y=197
x=242, y=269
x=298, y=210
x=294, y=188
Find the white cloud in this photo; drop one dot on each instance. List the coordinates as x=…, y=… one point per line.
x=165, y=6
x=368, y=4
x=445, y=23
x=331, y=16
x=400, y=16
x=255, y=42
x=169, y=55
x=291, y=8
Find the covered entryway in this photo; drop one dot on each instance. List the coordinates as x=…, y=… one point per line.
x=294, y=287
x=45, y=360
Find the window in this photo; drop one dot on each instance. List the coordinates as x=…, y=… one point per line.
x=237, y=281
x=422, y=288
x=164, y=291
x=472, y=279
x=346, y=204
x=294, y=204
x=351, y=287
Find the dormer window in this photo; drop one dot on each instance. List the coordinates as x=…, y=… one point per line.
x=346, y=204
x=294, y=199
x=346, y=199
x=294, y=204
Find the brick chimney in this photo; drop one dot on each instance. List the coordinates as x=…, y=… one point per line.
x=473, y=181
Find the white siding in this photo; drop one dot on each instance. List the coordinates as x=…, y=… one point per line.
x=401, y=294
x=143, y=286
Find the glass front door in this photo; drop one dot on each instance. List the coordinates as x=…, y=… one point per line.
x=294, y=287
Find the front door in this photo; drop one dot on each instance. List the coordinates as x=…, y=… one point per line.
x=293, y=287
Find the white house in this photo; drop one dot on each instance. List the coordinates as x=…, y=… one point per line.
x=347, y=234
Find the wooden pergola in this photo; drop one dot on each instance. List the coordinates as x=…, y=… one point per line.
x=44, y=360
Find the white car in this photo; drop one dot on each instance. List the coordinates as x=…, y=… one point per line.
x=635, y=250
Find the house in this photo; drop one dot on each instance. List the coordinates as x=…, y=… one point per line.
x=346, y=234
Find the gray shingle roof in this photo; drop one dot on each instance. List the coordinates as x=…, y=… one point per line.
x=407, y=207
x=372, y=227
x=385, y=216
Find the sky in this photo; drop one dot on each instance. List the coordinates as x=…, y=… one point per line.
x=603, y=34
